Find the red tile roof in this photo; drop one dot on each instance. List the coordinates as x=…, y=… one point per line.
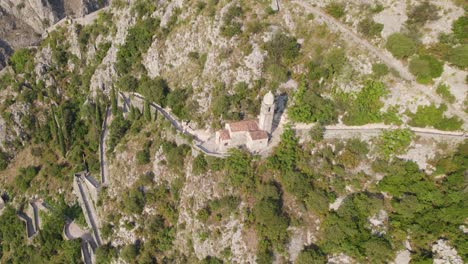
x=260, y=134
x=247, y=125
x=224, y=135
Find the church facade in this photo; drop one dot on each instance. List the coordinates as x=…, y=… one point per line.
x=253, y=134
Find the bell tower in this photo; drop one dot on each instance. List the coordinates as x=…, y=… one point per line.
x=265, y=119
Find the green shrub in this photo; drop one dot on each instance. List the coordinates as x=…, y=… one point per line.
x=133, y=201
x=22, y=61
x=239, y=169
x=425, y=68
x=317, y=132
x=271, y=222
x=444, y=91
x=211, y=260
x=460, y=29
x=143, y=156
x=199, y=165
x=129, y=253
x=379, y=69
x=366, y=107
x=401, y=46
x=117, y=131
x=394, y=142
x=310, y=107
x=335, y=9
x=434, y=116
x=459, y=56
x=155, y=90
x=4, y=160
x=282, y=49
x=369, y=27
x=138, y=40
x=391, y=116
x=311, y=255
x=25, y=176
x=105, y=254
x=230, y=26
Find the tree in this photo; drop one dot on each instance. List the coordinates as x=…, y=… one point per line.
x=114, y=102
x=154, y=90
x=400, y=45
x=147, y=111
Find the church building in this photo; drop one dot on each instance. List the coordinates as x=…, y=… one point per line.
x=253, y=134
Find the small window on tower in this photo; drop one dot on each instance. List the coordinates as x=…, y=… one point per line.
x=269, y=108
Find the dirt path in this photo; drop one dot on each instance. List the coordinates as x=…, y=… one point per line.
x=384, y=56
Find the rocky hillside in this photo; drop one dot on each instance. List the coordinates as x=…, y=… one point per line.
x=24, y=22
x=370, y=137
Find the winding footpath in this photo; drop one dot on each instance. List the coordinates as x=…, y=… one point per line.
x=89, y=211
x=384, y=56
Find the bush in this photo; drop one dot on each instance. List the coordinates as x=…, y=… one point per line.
x=459, y=56
x=133, y=201
x=199, y=165
x=138, y=40
x=394, y=142
x=335, y=9
x=311, y=255
x=22, y=61
x=444, y=91
x=25, y=176
x=4, y=160
x=425, y=68
x=379, y=69
x=129, y=253
x=282, y=49
x=239, y=169
x=369, y=27
x=366, y=108
x=317, y=132
x=401, y=46
x=230, y=27
x=434, y=116
x=143, y=157
x=460, y=29
x=310, y=107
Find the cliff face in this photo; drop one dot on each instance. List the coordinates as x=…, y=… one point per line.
x=23, y=22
